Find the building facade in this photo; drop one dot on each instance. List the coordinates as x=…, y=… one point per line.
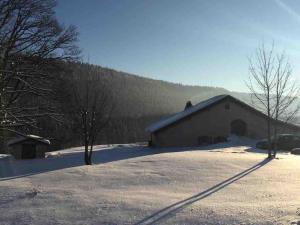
x=213, y=119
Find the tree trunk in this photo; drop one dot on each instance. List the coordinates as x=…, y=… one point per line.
x=86, y=154
x=275, y=144
x=90, y=154
x=269, y=138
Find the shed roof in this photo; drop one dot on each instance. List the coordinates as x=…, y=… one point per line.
x=198, y=107
x=22, y=138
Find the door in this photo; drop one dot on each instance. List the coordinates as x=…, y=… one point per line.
x=296, y=143
x=238, y=127
x=28, y=151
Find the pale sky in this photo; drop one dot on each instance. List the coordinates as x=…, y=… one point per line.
x=196, y=42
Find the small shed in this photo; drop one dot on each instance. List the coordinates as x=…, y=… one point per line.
x=28, y=147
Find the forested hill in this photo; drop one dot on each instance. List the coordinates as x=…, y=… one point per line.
x=137, y=96
x=138, y=102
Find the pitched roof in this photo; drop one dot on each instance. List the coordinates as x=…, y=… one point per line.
x=200, y=106
x=22, y=138
x=185, y=113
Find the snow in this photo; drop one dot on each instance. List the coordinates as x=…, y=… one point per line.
x=228, y=183
x=4, y=156
x=25, y=137
x=169, y=120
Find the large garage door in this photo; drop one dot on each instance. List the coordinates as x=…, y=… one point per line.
x=238, y=127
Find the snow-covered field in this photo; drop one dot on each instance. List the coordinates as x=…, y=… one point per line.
x=228, y=183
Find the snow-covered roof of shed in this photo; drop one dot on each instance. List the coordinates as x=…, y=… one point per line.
x=178, y=116
x=22, y=138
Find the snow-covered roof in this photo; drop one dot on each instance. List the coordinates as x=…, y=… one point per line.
x=178, y=116
x=22, y=138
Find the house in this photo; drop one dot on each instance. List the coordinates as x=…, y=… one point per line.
x=28, y=147
x=213, y=120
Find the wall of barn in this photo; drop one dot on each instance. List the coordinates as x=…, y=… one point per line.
x=213, y=122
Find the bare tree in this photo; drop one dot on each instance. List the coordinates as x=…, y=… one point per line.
x=261, y=83
x=31, y=38
x=285, y=95
x=90, y=110
x=272, y=90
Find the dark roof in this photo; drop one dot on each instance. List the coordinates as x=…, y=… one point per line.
x=22, y=138
x=185, y=113
x=165, y=122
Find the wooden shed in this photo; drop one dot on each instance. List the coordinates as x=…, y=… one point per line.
x=28, y=147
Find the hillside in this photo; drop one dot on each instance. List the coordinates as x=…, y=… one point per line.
x=138, y=102
x=138, y=96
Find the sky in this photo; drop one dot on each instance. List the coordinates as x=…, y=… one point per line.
x=195, y=42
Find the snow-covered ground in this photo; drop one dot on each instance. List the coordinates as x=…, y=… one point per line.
x=228, y=183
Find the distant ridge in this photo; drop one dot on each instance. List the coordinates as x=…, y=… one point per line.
x=141, y=96
x=139, y=102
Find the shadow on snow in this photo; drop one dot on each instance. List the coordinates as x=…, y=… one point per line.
x=12, y=169
x=170, y=210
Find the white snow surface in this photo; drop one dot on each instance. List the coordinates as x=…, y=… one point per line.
x=30, y=136
x=2, y=156
x=229, y=183
x=177, y=116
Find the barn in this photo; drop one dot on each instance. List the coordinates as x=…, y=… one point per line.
x=212, y=120
x=28, y=147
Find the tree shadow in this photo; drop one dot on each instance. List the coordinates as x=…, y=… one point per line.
x=171, y=209
x=12, y=169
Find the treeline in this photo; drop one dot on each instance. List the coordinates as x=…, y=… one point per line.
x=44, y=91
x=137, y=102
